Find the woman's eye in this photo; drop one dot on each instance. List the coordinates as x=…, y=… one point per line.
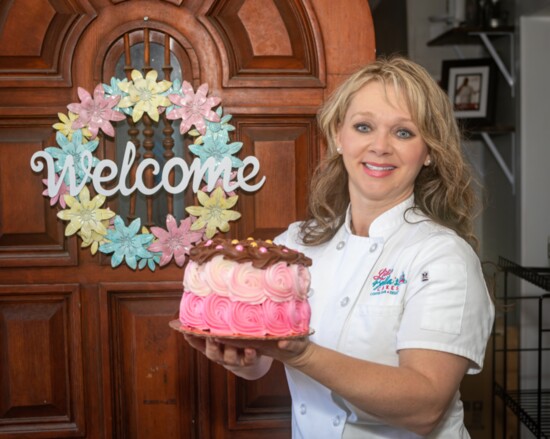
x=362, y=127
x=404, y=134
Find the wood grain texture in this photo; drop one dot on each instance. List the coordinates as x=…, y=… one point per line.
x=85, y=349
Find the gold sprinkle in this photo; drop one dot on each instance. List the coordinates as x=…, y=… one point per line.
x=253, y=244
x=235, y=241
x=250, y=239
x=269, y=241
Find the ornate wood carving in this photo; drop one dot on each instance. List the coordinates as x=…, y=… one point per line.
x=267, y=43
x=38, y=39
x=40, y=361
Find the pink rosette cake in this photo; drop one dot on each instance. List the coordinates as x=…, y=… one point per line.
x=248, y=288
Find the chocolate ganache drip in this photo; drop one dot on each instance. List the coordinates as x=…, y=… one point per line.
x=261, y=253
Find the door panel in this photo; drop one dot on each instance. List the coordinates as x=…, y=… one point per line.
x=41, y=374
x=85, y=349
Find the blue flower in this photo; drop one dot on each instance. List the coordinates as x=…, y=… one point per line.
x=219, y=149
x=127, y=243
x=74, y=148
x=216, y=130
x=175, y=89
x=115, y=90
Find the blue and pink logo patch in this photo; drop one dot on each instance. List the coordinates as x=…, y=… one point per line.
x=384, y=283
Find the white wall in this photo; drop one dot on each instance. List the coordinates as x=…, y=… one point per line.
x=535, y=138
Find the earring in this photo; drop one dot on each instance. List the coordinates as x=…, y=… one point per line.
x=339, y=150
x=428, y=162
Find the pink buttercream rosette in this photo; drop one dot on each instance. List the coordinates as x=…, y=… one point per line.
x=216, y=313
x=246, y=319
x=191, y=311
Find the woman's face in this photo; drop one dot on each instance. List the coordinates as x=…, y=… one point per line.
x=381, y=146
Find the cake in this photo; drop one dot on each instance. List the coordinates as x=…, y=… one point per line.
x=245, y=288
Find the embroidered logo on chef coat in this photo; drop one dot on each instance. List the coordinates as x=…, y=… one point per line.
x=384, y=283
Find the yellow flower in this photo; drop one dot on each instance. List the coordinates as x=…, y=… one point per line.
x=85, y=216
x=214, y=213
x=144, y=94
x=66, y=124
x=95, y=239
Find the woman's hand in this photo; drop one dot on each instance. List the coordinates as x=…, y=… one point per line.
x=244, y=360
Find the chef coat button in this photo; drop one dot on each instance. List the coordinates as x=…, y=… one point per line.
x=336, y=421
x=373, y=248
x=303, y=409
x=340, y=245
x=344, y=301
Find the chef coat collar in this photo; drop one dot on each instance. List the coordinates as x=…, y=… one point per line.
x=385, y=224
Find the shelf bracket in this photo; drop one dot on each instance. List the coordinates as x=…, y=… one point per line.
x=509, y=173
x=508, y=74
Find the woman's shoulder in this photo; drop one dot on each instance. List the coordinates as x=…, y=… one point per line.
x=437, y=242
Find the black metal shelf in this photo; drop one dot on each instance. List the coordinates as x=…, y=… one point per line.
x=531, y=406
x=524, y=404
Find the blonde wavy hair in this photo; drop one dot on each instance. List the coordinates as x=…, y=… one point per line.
x=443, y=191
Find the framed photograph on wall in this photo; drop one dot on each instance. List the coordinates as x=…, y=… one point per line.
x=471, y=84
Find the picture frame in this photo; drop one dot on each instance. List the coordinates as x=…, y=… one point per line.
x=471, y=85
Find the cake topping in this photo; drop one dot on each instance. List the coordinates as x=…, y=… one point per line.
x=260, y=253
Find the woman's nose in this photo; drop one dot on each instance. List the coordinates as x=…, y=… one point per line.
x=380, y=143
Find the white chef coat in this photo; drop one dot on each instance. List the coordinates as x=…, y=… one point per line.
x=410, y=284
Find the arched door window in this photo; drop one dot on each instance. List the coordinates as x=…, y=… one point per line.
x=145, y=50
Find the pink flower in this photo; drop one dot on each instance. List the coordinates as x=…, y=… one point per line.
x=96, y=112
x=219, y=183
x=193, y=108
x=176, y=242
x=63, y=189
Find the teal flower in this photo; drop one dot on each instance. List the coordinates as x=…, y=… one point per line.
x=175, y=89
x=115, y=90
x=215, y=129
x=127, y=243
x=218, y=149
x=151, y=261
x=74, y=148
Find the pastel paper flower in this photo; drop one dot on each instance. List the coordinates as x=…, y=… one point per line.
x=74, y=148
x=145, y=95
x=59, y=198
x=151, y=261
x=95, y=239
x=126, y=243
x=175, y=89
x=193, y=108
x=219, y=183
x=114, y=90
x=66, y=126
x=85, y=215
x=214, y=213
x=96, y=113
x=218, y=149
x=176, y=241
x=215, y=129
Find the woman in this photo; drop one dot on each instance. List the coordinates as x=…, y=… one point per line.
x=399, y=305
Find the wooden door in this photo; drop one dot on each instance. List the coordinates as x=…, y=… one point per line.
x=85, y=349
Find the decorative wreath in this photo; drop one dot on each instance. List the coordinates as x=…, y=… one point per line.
x=101, y=228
